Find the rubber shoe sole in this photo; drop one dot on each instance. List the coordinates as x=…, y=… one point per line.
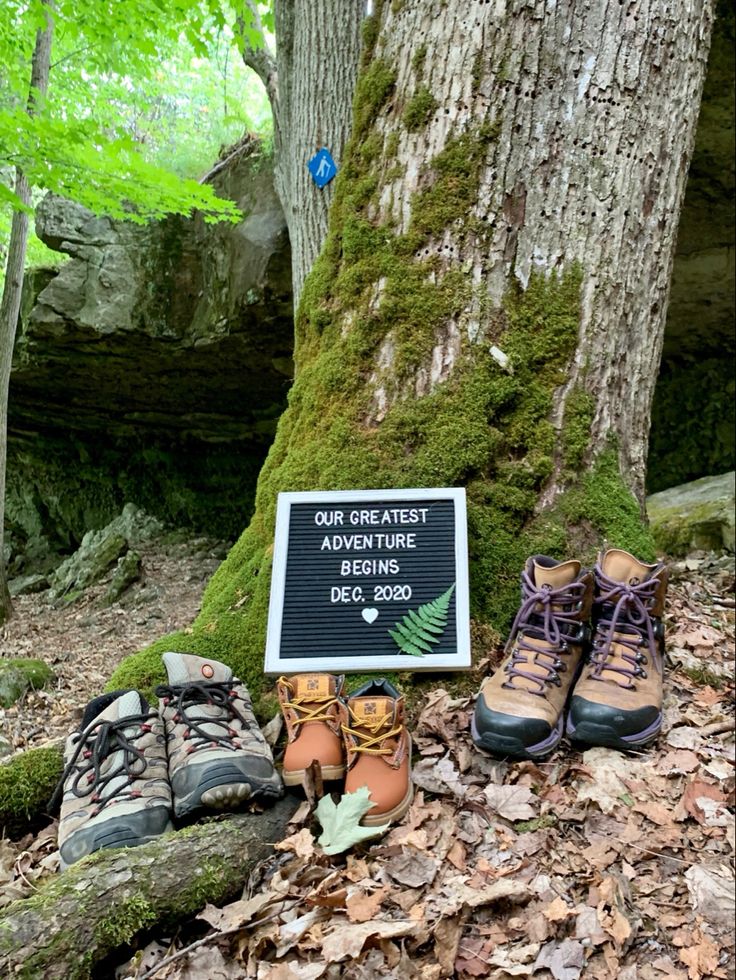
x=508, y=746
x=132, y=830
x=591, y=733
x=221, y=786
x=296, y=777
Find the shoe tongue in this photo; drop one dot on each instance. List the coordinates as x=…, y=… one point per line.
x=557, y=575
x=367, y=711
x=622, y=567
x=123, y=707
x=313, y=687
x=185, y=668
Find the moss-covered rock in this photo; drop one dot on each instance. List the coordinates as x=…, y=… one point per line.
x=695, y=515
x=19, y=676
x=27, y=783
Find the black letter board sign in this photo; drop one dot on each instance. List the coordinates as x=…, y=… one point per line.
x=369, y=580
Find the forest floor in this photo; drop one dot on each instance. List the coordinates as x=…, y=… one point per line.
x=590, y=864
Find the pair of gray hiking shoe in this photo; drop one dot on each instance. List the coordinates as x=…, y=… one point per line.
x=129, y=767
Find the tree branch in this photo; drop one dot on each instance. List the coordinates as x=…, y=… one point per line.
x=258, y=57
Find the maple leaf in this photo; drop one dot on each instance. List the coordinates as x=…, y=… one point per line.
x=341, y=824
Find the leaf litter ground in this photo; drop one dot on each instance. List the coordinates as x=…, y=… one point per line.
x=589, y=864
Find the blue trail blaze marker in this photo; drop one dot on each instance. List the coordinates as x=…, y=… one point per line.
x=322, y=167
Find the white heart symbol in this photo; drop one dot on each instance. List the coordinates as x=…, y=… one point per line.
x=370, y=615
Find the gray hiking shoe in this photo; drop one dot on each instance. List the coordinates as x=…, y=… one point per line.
x=217, y=755
x=115, y=789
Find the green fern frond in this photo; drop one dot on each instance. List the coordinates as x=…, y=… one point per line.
x=416, y=632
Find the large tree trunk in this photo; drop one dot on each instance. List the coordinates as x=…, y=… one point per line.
x=488, y=306
x=101, y=904
x=489, y=303
x=310, y=82
x=13, y=287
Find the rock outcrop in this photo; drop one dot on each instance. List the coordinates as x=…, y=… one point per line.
x=694, y=516
x=153, y=365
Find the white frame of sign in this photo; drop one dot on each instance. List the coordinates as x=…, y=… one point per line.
x=459, y=660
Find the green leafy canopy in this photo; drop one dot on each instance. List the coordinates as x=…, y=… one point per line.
x=418, y=631
x=90, y=139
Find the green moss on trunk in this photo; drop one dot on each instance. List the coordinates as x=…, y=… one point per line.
x=486, y=427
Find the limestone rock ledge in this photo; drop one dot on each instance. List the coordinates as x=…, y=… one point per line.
x=697, y=515
x=153, y=365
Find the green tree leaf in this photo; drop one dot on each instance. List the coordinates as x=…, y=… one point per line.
x=421, y=628
x=341, y=824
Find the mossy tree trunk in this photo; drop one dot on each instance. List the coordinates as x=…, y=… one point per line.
x=310, y=80
x=488, y=307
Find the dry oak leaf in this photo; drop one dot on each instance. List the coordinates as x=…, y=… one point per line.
x=447, y=934
x=362, y=906
x=294, y=970
x=564, y=960
x=712, y=894
x=697, y=791
x=413, y=868
x=656, y=812
x=346, y=939
x=440, y=777
x=678, y=763
x=459, y=894
x=301, y=843
x=236, y=914
x=558, y=910
x=511, y=802
x=588, y=926
x=701, y=960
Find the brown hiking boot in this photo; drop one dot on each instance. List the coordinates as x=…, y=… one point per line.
x=520, y=708
x=378, y=750
x=310, y=705
x=218, y=756
x=115, y=783
x=618, y=699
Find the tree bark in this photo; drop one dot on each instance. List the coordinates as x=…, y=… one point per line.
x=104, y=902
x=310, y=82
x=488, y=307
x=596, y=109
x=13, y=286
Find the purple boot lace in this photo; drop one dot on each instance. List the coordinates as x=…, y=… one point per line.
x=544, y=615
x=625, y=622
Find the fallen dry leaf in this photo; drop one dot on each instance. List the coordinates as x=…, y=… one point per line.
x=701, y=959
x=558, y=910
x=346, y=939
x=413, y=868
x=712, y=894
x=362, y=906
x=564, y=960
x=511, y=802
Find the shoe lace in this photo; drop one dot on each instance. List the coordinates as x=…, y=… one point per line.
x=95, y=745
x=184, y=698
x=372, y=741
x=320, y=711
x=559, y=609
x=623, y=626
